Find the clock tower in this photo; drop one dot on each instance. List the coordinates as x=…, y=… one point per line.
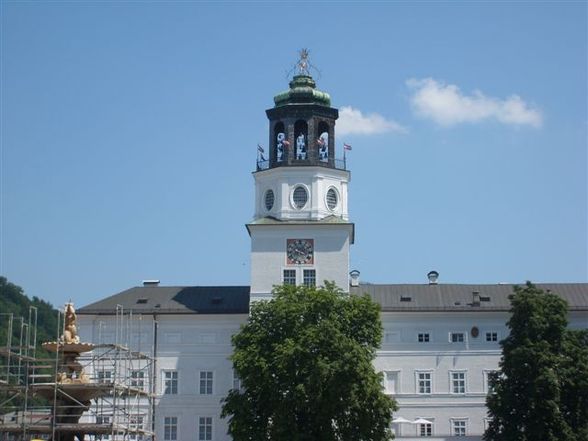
x=301, y=232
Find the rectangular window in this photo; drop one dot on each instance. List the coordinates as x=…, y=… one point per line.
x=309, y=278
x=104, y=376
x=391, y=337
x=491, y=336
x=486, y=423
x=136, y=427
x=458, y=382
x=205, y=429
x=236, y=381
x=425, y=430
x=457, y=337
x=390, y=382
x=289, y=277
x=138, y=379
x=170, y=382
x=424, y=337
x=170, y=428
x=102, y=419
x=491, y=377
x=459, y=427
x=206, y=382
x=424, y=382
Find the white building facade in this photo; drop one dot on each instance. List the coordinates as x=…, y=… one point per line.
x=441, y=341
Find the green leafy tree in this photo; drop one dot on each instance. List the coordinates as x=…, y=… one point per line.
x=14, y=300
x=574, y=382
x=525, y=405
x=305, y=362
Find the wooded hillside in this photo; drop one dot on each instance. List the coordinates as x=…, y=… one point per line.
x=14, y=300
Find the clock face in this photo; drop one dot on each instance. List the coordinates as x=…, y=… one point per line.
x=300, y=252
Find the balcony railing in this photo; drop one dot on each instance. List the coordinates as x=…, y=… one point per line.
x=339, y=164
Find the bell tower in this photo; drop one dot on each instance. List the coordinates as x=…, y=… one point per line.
x=300, y=233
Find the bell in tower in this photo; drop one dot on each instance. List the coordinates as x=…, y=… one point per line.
x=302, y=124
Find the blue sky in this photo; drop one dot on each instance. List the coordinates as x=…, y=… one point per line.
x=129, y=134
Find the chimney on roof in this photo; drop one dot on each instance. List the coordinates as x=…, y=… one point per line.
x=354, y=278
x=432, y=276
x=152, y=282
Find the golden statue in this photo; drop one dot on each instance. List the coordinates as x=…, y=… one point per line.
x=69, y=348
x=70, y=332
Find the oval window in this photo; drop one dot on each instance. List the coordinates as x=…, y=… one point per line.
x=269, y=200
x=332, y=199
x=300, y=197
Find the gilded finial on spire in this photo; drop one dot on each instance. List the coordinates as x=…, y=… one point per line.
x=303, y=63
x=302, y=85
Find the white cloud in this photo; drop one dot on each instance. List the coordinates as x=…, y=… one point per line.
x=448, y=106
x=352, y=122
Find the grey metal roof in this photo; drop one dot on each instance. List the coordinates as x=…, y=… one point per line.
x=457, y=297
x=402, y=297
x=175, y=300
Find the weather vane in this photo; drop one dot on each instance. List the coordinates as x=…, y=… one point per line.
x=303, y=66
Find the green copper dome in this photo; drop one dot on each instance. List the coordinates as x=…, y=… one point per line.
x=302, y=91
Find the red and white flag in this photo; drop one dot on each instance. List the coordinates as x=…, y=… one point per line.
x=346, y=146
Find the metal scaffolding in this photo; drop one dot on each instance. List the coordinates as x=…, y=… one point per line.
x=113, y=401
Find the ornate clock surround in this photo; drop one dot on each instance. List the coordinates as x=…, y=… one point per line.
x=300, y=251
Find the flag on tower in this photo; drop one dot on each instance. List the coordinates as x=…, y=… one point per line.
x=346, y=146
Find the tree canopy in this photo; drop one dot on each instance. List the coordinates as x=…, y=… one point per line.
x=305, y=362
x=574, y=382
x=14, y=300
x=540, y=393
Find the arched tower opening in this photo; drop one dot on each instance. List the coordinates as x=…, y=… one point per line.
x=301, y=140
x=279, y=143
x=323, y=144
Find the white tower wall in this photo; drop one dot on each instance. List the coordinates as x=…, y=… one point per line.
x=268, y=255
